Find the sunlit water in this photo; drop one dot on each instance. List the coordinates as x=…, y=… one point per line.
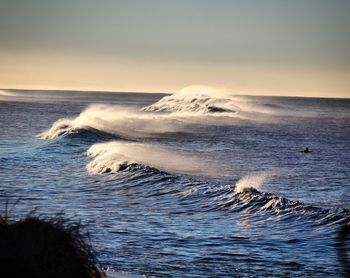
x=167, y=193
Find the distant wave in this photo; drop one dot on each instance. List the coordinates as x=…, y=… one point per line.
x=195, y=99
x=207, y=100
x=6, y=94
x=192, y=105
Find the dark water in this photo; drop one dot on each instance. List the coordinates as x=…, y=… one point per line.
x=149, y=216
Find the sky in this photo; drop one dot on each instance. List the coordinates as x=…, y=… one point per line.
x=271, y=47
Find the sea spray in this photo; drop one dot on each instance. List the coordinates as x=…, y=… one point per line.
x=195, y=99
x=131, y=123
x=115, y=120
x=60, y=127
x=205, y=100
x=253, y=181
x=115, y=156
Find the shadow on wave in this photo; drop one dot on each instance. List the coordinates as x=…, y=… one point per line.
x=89, y=134
x=131, y=167
x=84, y=133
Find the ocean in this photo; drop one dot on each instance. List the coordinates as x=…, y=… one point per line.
x=201, y=183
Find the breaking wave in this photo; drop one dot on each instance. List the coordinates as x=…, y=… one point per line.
x=204, y=100
x=191, y=105
x=195, y=99
x=67, y=127
x=253, y=182
x=116, y=156
x=114, y=120
x=249, y=200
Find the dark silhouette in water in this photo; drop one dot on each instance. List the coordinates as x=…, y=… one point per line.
x=342, y=244
x=306, y=150
x=37, y=248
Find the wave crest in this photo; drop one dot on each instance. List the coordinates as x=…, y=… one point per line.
x=252, y=183
x=195, y=99
x=251, y=202
x=115, y=120
x=115, y=156
x=59, y=128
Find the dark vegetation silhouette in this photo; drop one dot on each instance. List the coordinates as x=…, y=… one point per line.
x=45, y=248
x=342, y=244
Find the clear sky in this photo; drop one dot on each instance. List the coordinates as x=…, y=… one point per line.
x=271, y=47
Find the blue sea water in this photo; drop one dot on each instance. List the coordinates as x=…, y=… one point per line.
x=198, y=184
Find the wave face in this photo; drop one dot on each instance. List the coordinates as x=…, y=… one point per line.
x=197, y=184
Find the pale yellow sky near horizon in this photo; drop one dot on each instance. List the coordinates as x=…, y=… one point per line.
x=287, y=48
x=74, y=72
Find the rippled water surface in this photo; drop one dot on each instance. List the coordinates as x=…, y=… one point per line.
x=170, y=192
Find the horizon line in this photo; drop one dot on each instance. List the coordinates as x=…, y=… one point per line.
x=165, y=93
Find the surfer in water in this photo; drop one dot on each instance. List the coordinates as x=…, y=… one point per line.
x=306, y=150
